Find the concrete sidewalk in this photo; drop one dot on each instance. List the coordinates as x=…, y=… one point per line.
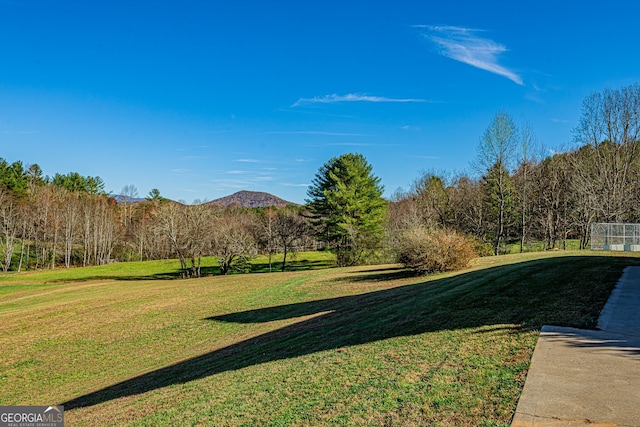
x=588, y=378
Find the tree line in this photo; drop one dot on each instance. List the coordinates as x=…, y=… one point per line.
x=50, y=225
x=522, y=195
x=517, y=194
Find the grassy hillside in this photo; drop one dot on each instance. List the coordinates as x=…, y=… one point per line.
x=352, y=346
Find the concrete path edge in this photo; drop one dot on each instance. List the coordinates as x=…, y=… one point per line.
x=588, y=377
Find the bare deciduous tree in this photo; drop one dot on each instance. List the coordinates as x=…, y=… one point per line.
x=26, y=228
x=98, y=229
x=552, y=193
x=198, y=223
x=290, y=228
x=8, y=228
x=402, y=213
x=170, y=227
x=496, y=154
x=265, y=232
x=606, y=166
x=432, y=196
x=128, y=196
x=468, y=214
x=70, y=220
x=231, y=239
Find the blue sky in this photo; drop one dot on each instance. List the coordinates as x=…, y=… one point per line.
x=201, y=99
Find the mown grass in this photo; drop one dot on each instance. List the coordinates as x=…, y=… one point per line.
x=539, y=246
x=343, y=346
x=164, y=269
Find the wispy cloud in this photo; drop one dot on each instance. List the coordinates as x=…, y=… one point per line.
x=289, y=184
x=351, y=97
x=465, y=45
x=180, y=171
x=312, y=132
x=534, y=97
x=322, y=113
x=350, y=144
x=355, y=144
x=248, y=160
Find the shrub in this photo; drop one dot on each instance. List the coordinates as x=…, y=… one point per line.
x=241, y=265
x=429, y=250
x=480, y=247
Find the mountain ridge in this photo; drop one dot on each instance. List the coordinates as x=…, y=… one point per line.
x=250, y=199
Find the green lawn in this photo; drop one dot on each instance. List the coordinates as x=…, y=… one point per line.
x=164, y=269
x=538, y=246
x=342, y=346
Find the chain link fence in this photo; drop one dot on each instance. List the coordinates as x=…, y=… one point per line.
x=615, y=236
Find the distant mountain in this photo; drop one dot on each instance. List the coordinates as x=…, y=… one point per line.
x=250, y=199
x=121, y=199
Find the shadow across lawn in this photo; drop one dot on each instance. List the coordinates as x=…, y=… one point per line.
x=171, y=274
x=568, y=291
x=291, y=265
x=377, y=275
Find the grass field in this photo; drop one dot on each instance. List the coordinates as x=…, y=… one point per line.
x=538, y=246
x=164, y=269
x=341, y=346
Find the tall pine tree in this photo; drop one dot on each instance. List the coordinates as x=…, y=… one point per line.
x=345, y=199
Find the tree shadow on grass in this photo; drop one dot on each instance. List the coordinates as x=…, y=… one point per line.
x=515, y=295
x=205, y=271
x=377, y=275
x=168, y=275
x=291, y=265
